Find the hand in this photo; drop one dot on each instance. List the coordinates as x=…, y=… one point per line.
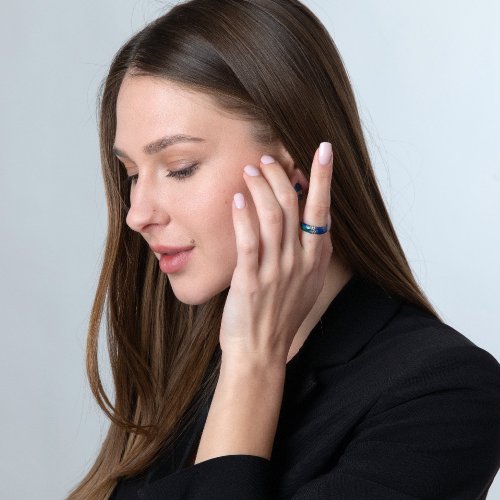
x=272, y=293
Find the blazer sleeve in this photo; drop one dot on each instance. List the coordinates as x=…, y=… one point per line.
x=235, y=477
x=434, y=434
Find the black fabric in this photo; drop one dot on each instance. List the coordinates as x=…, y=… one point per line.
x=382, y=401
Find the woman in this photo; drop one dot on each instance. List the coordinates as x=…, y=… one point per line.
x=267, y=337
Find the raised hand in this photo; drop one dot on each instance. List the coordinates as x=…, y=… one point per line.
x=280, y=270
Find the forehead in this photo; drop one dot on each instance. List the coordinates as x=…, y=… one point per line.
x=159, y=98
x=149, y=105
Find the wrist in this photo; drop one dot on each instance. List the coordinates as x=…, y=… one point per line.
x=254, y=366
x=245, y=408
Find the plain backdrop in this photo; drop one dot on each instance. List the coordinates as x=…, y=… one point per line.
x=426, y=75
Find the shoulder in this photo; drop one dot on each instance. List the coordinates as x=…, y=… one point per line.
x=420, y=350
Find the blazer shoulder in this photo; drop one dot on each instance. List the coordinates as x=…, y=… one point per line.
x=415, y=344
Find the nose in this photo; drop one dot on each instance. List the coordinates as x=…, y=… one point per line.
x=146, y=205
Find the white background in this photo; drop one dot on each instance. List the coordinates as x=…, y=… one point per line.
x=427, y=78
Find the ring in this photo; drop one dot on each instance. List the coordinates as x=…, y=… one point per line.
x=314, y=229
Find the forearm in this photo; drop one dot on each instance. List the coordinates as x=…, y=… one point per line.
x=245, y=408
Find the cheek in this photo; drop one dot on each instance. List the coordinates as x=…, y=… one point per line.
x=212, y=211
x=211, y=215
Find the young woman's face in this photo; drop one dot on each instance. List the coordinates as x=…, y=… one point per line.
x=193, y=210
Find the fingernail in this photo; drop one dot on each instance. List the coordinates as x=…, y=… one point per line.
x=325, y=153
x=239, y=200
x=266, y=159
x=251, y=170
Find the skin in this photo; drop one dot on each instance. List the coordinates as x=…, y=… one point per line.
x=281, y=279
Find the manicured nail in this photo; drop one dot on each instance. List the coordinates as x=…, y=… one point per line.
x=251, y=170
x=325, y=153
x=239, y=200
x=266, y=159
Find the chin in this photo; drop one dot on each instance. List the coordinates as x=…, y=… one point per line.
x=194, y=295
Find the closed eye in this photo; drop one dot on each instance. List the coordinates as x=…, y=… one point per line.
x=185, y=172
x=177, y=174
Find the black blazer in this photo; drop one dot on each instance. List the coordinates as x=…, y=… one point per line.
x=382, y=401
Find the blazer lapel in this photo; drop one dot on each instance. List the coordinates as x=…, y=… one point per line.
x=355, y=315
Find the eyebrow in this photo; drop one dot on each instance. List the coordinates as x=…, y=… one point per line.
x=161, y=144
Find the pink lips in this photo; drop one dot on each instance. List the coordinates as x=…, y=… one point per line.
x=169, y=250
x=172, y=259
x=173, y=263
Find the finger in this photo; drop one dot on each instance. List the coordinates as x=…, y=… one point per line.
x=326, y=255
x=270, y=218
x=317, y=208
x=287, y=198
x=247, y=240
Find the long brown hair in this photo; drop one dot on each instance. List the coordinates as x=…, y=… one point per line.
x=271, y=62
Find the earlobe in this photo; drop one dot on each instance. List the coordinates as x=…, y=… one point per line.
x=295, y=174
x=298, y=177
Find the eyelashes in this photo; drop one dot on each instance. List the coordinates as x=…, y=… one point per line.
x=185, y=172
x=179, y=175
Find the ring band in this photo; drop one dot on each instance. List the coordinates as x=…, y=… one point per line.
x=314, y=229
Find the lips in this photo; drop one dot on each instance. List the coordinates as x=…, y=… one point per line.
x=170, y=264
x=169, y=250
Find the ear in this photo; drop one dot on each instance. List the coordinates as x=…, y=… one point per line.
x=294, y=173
